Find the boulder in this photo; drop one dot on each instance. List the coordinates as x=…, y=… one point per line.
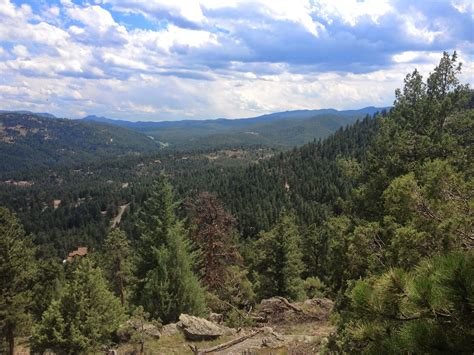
x=321, y=308
x=216, y=317
x=152, y=331
x=275, y=310
x=196, y=329
x=279, y=310
x=169, y=329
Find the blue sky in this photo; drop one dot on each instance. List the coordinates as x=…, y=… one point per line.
x=182, y=59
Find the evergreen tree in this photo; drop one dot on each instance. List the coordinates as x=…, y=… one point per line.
x=167, y=285
x=428, y=310
x=84, y=317
x=213, y=232
x=17, y=273
x=118, y=261
x=279, y=261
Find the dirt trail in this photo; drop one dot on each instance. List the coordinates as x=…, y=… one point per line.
x=116, y=220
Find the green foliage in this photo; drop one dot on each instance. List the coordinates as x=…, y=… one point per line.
x=166, y=285
x=47, y=284
x=135, y=328
x=117, y=256
x=314, y=288
x=414, y=224
x=17, y=274
x=31, y=141
x=423, y=311
x=284, y=129
x=279, y=262
x=84, y=318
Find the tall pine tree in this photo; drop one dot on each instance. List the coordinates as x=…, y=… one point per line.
x=279, y=262
x=17, y=273
x=167, y=285
x=118, y=261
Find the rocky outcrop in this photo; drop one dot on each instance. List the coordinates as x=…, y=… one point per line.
x=197, y=329
x=279, y=310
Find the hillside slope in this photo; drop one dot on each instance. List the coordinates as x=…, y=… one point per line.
x=280, y=129
x=308, y=180
x=34, y=141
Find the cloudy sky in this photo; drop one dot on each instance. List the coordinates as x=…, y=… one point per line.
x=175, y=59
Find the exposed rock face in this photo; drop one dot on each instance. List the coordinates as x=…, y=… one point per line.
x=196, y=329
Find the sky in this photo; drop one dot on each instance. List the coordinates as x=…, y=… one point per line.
x=196, y=59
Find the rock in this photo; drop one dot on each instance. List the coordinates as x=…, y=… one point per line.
x=279, y=310
x=151, y=331
x=195, y=328
x=320, y=307
x=169, y=329
x=126, y=330
x=216, y=318
x=274, y=310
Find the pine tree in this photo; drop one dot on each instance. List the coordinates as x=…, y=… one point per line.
x=213, y=232
x=279, y=262
x=427, y=310
x=118, y=261
x=17, y=273
x=167, y=285
x=84, y=318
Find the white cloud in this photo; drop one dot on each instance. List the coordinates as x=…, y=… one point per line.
x=463, y=6
x=215, y=58
x=350, y=11
x=416, y=26
x=20, y=51
x=100, y=27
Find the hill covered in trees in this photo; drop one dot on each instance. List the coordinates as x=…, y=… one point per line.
x=280, y=129
x=29, y=141
x=377, y=217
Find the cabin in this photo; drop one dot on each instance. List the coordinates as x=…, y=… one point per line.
x=81, y=251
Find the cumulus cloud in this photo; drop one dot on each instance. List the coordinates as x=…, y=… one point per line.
x=171, y=59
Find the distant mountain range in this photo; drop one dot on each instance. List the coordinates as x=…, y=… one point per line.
x=284, y=129
x=36, y=140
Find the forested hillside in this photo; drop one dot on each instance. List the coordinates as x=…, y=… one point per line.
x=311, y=180
x=29, y=141
x=377, y=217
x=280, y=129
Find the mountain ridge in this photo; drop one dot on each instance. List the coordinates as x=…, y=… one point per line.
x=303, y=113
x=279, y=129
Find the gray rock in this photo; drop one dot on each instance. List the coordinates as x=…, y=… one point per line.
x=216, y=318
x=169, y=329
x=196, y=329
x=152, y=331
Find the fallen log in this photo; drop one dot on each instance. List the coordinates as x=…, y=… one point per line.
x=224, y=346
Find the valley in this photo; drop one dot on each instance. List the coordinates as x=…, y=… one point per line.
x=295, y=232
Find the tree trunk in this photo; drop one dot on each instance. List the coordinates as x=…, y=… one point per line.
x=122, y=292
x=11, y=341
